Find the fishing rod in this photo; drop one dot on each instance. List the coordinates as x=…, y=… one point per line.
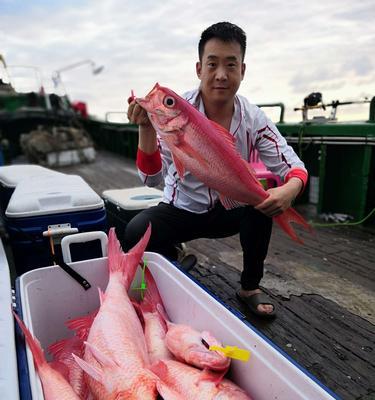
x=314, y=101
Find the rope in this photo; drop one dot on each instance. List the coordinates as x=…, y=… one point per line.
x=345, y=223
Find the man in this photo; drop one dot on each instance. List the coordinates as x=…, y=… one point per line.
x=190, y=210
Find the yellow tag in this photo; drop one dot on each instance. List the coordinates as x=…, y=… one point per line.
x=233, y=352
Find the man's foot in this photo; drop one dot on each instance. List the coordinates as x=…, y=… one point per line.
x=257, y=302
x=188, y=262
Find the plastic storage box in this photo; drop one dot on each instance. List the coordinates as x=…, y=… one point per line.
x=123, y=204
x=12, y=175
x=49, y=298
x=61, y=203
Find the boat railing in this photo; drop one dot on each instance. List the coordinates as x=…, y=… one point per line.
x=280, y=105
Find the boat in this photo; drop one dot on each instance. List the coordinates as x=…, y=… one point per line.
x=324, y=332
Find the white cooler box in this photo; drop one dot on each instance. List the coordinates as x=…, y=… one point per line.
x=49, y=298
x=60, y=203
x=124, y=204
x=12, y=175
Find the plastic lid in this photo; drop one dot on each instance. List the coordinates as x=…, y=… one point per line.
x=137, y=198
x=12, y=175
x=44, y=195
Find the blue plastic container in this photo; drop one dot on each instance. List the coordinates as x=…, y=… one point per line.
x=52, y=204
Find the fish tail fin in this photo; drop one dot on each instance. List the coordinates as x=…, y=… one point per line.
x=114, y=252
x=33, y=343
x=291, y=215
x=130, y=260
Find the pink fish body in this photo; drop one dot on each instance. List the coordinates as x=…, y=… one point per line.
x=208, y=151
x=55, y=386
x=191, y=346
x=116, y=356
x=166, y=339
x=193, y=384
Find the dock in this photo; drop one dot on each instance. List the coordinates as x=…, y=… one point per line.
x=324, y=290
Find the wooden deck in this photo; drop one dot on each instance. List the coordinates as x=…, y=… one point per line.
x=324, y=290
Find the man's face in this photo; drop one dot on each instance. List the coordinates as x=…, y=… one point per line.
x=221, y=70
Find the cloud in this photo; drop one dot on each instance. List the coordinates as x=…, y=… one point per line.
x=292, y=48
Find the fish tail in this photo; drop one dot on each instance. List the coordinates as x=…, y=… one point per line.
x=130, y=260
x=114, y=252
x=33, y=344
x=288, y=216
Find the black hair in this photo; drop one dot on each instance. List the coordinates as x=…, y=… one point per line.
x=224, y=31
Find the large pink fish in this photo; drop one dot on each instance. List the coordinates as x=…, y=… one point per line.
x=165, y=338
x=155, y=327
x=116, y=357
x=192, y=383
x=207, y=150
x=55, y=386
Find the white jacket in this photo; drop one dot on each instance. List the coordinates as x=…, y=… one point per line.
x=251, y=129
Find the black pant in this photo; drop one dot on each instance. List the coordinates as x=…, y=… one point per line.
x=171, y=225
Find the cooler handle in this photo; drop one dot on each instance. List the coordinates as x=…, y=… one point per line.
x=82, y=238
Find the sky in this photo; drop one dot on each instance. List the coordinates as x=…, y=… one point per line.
x=293, y=48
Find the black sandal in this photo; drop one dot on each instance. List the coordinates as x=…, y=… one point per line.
x=254, y=300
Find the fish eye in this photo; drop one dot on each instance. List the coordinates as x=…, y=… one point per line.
x=169, y=101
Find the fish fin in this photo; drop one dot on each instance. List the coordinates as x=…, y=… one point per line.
x=32, y=342
x=139, y=311
x=94, y=372
x=101, y=295
x=100, y=357
x=114, y=252
x=82, y=325
x=152, y=295
x=130, y=260
x=179, y=166
x=166, y=392
x=163, y=315
x=58, y=348
x=146, y=308
x=160, y=369
x=229, y=204
x=291, y=215
x=214, y=377
x=225, y=134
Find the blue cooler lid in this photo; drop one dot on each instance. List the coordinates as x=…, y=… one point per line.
x=12, y=175
x=45, y=195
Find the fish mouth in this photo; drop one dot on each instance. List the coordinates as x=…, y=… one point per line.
x=147, y=102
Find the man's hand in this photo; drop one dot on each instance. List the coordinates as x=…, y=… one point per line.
x=147, y=140
x=280, y=198
x=138, y=115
